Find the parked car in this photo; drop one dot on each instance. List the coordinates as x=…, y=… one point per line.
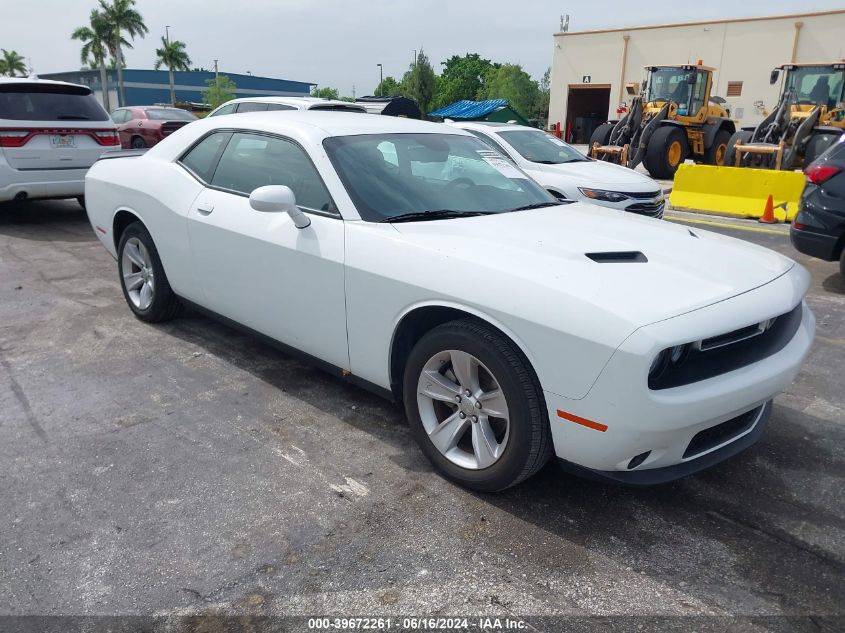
x=819, y=228
x=51, y=132
x=144, y=126
x=260, y=104
x=639, y=351
x=566, y=172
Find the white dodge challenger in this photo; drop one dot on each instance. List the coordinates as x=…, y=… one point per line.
x=413, y=259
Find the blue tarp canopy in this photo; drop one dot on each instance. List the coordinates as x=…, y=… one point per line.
x=467, y=109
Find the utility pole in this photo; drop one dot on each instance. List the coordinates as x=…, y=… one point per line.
x=167, y=34
x=415, y=58
x=353, y=91
x=215, y=71
x=380, y=73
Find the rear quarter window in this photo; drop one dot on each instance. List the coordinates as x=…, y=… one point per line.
x=202, y=158
x=49, y=102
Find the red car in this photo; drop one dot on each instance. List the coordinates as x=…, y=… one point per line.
x=144, y=126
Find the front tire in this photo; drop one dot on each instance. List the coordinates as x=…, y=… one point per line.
x=717, y=153
x=138, y=143
x=475, y=406
x=738, y=138
x=145, y=286
x=601, y=135
x=667, y=149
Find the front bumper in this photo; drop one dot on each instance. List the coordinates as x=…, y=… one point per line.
x=629, y=419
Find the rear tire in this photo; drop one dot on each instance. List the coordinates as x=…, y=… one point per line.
x=667, y=149
x=817, y=145
x=476, y=448
x=718, y=151
x=138, y=143
x=145, y=286
x=738, y=138
x=601, y=135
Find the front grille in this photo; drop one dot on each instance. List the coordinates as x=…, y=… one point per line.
x=727, y=352
x=641, y=195
x=704, y=440
x=645, y=208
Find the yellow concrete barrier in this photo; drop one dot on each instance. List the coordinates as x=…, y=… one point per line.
x=737, y=191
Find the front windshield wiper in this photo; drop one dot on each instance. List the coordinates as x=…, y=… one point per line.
x=539, y=205
x=434, y=214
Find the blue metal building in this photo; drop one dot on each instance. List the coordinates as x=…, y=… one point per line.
x=146, y=87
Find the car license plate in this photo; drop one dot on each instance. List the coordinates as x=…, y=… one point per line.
x=63, y=141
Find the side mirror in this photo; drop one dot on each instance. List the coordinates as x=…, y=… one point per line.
x=276, y=199
x=774, y=76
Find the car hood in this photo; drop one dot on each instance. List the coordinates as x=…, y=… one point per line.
x=541, y=255
x=600, y=174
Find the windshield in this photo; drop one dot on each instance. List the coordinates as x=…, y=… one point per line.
x=540, y=147
x=49, y=102
x=816, y=85
x=669, y=84
x=170, y=114
x=388, y=175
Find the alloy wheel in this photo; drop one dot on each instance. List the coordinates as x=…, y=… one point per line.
x=138, y=274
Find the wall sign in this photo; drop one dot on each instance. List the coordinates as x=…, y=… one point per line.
x=586, y=79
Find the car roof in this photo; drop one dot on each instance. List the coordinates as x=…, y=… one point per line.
x=39, y=82
x=294, y=101
x=488, y=125
x=330, y=123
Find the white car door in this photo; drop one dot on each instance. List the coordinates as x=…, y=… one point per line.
x=257, y=268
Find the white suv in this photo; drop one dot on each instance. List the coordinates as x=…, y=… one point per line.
x=260, y=104
x=51, y=132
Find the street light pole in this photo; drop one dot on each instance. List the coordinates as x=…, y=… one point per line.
x=215, y=71
x=380, y=74
x=167, y=33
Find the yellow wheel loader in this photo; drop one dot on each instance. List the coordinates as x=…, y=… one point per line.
x=809, y=117
x=673, y=119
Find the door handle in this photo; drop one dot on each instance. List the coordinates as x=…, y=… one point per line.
x=205, y=208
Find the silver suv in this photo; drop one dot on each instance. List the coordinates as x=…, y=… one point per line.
x=51, y=132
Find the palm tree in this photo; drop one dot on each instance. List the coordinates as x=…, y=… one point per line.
x=12, y=63
x=173, y=55
x=121, y=17
x=96, y=40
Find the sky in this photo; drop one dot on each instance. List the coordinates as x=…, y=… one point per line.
x=339, y=43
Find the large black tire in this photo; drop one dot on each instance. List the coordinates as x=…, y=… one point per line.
x=718, y=151
x=667, y=149
x=742, y=136
x=529, y=443
x=817, y=145
x=165, y=305
x=601, y=135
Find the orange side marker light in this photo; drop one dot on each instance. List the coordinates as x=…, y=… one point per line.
x=596, y=426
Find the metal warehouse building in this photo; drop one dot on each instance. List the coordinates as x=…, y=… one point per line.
x=594, y=72
x=145, y=87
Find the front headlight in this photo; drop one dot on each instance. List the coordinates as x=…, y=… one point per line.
x=669, y=358
x=601, y=194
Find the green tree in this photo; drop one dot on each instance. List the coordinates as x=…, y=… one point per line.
x=510, y=82
x=12, y=63
x=543, y=96
x=388, y=87
x=95, y=40
x=462, y=78
x=172, y=54
x=220, y=90
x=325, y=93
x=122, y=17
x=420, y=83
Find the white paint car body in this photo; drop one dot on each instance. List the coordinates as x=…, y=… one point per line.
x=627, y=190
x=341, y=288
x=51, y=132
x=245, y=105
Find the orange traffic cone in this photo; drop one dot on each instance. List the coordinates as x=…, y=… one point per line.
x=768, y=216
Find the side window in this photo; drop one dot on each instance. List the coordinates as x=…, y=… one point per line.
x=226, y=109
x=251, y=106
x=489, y=140
x=202, y=158
x=698, y=95
x=120, y=116
x=253, y=160
x=279, y=106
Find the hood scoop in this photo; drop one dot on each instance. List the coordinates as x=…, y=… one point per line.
x=618, y=257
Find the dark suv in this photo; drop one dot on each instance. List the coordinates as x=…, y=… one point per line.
x=819, y=228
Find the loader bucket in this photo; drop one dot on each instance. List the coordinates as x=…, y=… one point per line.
x=737, y=191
